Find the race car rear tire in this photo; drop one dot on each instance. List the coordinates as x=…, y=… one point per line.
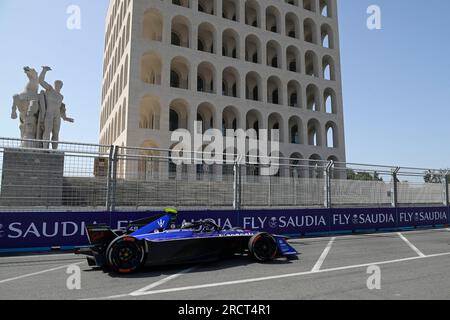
x=125, y=255
x=263, y=247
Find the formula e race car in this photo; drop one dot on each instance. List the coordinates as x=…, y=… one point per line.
x=158, y=241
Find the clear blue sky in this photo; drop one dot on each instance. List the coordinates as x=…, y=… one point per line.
x=396, y=80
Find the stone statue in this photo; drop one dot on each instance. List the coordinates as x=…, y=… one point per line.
x=25, y=102
x=55, y=110
x=40, y=114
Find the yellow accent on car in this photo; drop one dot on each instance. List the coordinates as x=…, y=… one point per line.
x=171, y=210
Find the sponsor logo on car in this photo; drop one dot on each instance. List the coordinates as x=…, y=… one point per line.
x=237, y=234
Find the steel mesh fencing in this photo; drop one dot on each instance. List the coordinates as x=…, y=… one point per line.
x=153, y=179
x=87, y=177
x=36, y=179
x=420, y=187
x=360, y=186
x=291, y=186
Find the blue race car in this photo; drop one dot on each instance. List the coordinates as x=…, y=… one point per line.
x=157, y=241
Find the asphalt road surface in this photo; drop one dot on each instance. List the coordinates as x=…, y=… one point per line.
x=411, y=265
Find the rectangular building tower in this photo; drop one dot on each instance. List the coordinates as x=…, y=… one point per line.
x=229, y=63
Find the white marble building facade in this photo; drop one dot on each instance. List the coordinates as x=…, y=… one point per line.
x=229, y=63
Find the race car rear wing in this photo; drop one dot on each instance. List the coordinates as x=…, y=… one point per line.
x=99, y=234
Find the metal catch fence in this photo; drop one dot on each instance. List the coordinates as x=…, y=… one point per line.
x=89, y=177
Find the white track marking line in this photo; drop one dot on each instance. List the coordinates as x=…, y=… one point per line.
x=68, y=255
x=323, y=256
x=291, y=275
x=119, y=296
x=413, y=247
x=160, y=282
x=365, y=235
x=38, y=273
x=221, y=284
x=144, y=290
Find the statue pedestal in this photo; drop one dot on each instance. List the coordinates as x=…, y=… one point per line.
x=32, y=178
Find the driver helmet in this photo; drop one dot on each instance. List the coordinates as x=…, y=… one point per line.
x=209, y=225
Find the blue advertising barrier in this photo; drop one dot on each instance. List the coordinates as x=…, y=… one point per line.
x=41, y=230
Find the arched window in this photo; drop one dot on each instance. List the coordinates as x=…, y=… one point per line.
x=273, y=54
x=314, y=133
x=206, y=75
x=252, y=49
x=295, y=127
x=293, y=59
x=153, y=25
x=273, y=19
x=327, y=36
x=230, y=43
x=311, y=64
x=179, y=73
x=230, y=9
x=253, y=86
x=329, y=72
x=149, y=113
x=312, y=98
x=253, y=121
x=332, y=135
x=274, y=90
x=330, y=101
x=310, y=31
x=178, y=115
x=180, y=31
x=205, y=114
x=294, y=94
x=230, y=80
x=151, y=65
x=148, y=168
x=292, y=26
x=252, y=13
x=230, y=119
x=276, y=127
x=206, y=38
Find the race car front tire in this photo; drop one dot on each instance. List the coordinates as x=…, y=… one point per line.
x=263, y=247
x=125, y=255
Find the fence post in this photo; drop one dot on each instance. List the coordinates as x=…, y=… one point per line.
x=394, y=191
x=327, y=184
x=237, y=186
x=114, y=178
x=109, y=178
x=446, y=190
x=269, y=196
x=295, y=189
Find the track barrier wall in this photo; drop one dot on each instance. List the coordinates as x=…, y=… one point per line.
x=40, y=231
